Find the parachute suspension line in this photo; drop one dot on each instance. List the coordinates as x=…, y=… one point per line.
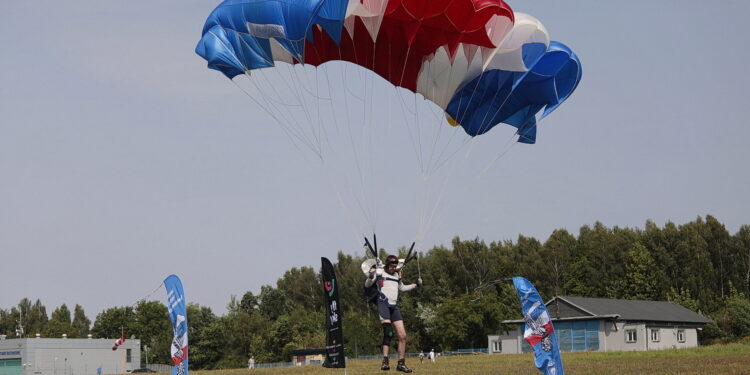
x=419, y=268
x=437, y=135
x=291, y=123
x=416, y=124
x=367, y=168
x=300, y=99
x=346, y=87
x=284, y=123
x=349, y=211
x=511, y=142
x=321, y=129
x=361, y=141
x=295, y=89
x=439, y=122
x=330, y=98
x=373, y=131
x=408, y=129
x=507, y=96
x=246, y=93
x=426, y=220
x=403, y=70
x=416, y=147
x=460, y=114
x=281, y=111
x=359, y=198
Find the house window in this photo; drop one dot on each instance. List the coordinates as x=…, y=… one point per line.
x=631, y=335
x=655, y=334
x=497, y=346
x=680, y=335
x=129, y=355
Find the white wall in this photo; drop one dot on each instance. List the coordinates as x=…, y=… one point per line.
x=612, y=338
x=42, y=356
x=667, y=336
x=510, y=342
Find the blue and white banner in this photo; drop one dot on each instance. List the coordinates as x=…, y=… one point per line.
x=178, y=315
x=538, y=330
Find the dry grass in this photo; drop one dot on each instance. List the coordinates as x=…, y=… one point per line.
x=712, y=360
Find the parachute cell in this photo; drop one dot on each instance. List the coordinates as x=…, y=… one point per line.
x=477, y=60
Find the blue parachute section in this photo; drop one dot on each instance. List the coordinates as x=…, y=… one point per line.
x=515, y=98
x=236, y=36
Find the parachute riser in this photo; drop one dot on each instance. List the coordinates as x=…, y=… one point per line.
x=373, y=252
x=378, y=263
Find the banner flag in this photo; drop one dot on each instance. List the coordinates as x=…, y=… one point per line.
x=538, y=330
x=178, y=315
x=334, y=334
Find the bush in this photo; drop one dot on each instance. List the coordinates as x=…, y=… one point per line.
x=738, y=310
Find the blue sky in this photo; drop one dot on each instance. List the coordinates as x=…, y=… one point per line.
x=123, y=159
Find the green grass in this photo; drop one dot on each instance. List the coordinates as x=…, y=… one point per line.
x=709, y=360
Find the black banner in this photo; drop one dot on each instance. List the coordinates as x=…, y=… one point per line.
x=334, y=334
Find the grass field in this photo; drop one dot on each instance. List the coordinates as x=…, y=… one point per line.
x=733, y=359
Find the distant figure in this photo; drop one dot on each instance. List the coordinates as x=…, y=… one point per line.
x=421, y=356
x=251, y=362
x=432, y=355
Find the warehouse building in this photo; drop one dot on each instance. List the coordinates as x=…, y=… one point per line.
x=46, y=356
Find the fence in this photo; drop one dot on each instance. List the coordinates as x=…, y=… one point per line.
x=159, y=368
x=363, y=357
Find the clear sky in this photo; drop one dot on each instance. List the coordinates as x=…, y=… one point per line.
x=123, y=159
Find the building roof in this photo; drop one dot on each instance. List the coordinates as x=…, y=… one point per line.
x=576, y=308
x=659, y=311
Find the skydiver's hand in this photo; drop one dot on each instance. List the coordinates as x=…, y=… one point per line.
x=419, y=282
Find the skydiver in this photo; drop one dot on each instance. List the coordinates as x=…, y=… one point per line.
x=389, y=284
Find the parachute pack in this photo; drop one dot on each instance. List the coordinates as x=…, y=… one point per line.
x=371, y=293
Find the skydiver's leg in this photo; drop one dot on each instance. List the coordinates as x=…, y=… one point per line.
x=385, y=320
x=398, y=326
x=387, y=336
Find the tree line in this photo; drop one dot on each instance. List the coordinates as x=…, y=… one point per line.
x=699, y=265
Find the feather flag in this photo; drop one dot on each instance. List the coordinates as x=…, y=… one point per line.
x=538, y=330
x=178, y=315
x=334, y=334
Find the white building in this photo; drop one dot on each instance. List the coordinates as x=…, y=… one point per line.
x=600, y=324
x=43, y=356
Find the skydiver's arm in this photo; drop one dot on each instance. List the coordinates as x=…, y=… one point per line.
x=371, y=279
x=369, y=282
x=406, y=288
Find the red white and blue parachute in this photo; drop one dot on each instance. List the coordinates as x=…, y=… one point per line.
x=477, y=60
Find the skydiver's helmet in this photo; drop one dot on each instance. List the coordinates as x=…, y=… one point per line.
x=392, y=259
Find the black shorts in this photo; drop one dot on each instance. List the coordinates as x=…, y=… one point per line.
x=389, y=312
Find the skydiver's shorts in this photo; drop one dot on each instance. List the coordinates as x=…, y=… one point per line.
x=388, y=312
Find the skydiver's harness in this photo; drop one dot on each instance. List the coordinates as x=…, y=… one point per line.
x=372, y=293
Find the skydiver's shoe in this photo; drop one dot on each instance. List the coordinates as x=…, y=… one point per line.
x=402, y=367
x=385, y=366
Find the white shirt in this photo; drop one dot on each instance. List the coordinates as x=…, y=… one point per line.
x=389, y=286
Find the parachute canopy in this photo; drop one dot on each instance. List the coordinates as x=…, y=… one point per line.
x=479, y=61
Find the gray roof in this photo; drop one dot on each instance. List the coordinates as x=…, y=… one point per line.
x=658, y=311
